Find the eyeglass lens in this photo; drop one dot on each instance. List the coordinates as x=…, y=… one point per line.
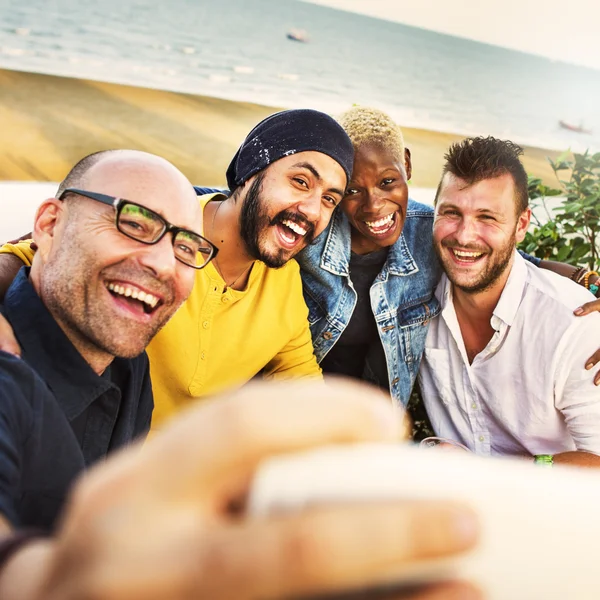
x=146, y=226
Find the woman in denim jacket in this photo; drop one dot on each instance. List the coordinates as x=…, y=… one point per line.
x=369, y=277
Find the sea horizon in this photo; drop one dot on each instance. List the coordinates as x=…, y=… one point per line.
x=424, y=79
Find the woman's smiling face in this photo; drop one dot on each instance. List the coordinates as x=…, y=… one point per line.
x=376, y=198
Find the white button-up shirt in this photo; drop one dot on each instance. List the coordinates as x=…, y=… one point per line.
x=528, y=391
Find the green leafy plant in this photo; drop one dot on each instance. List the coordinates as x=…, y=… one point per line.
x=569, y=232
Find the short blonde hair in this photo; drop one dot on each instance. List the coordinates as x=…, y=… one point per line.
x=366, y=126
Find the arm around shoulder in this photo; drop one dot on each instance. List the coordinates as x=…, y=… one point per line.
x=12, y=258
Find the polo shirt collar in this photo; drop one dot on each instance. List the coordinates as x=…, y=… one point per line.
x=49, y=351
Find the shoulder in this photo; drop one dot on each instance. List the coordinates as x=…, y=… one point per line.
x=418, y=209
x=553, y=290
x=283, y=285
x=21, y=390
x=203, y=191
x=15, y=374
x=419, y=222
x=204, y=199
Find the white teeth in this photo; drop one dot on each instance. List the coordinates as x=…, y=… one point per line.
x=380, y=222
x=134, y=293
x=464, y=254
x=295, y=227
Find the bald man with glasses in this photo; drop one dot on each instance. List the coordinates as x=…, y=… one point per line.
x=117, y=255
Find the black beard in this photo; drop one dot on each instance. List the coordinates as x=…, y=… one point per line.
x=254, y=220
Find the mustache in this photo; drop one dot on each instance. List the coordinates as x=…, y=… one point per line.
x=288, y=215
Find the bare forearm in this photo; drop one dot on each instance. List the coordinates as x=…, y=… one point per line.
x=557, y=267
x=578, y=459
x=9, y=267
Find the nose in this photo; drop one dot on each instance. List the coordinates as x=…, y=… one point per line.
x=310, y=207
x=159, y=258
x=466, y=232
x=375, y=201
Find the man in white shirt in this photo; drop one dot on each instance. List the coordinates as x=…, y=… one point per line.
x=503, y=367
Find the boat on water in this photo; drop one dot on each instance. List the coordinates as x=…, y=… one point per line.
x=575, y=128
x=297, y=35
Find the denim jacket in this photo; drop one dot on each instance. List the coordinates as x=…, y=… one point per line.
x=402, y=296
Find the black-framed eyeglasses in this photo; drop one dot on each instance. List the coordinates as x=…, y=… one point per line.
x=148, y=227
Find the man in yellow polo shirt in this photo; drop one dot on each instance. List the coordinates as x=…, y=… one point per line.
x=246, y=314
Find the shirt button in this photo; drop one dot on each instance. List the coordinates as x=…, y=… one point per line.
x=474, y=405
x=481, y=438
x=205, y=324
x=202, y=356
x=327, y=335
x=225, y=299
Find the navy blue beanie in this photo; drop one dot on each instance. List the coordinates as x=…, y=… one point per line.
x=289, y=132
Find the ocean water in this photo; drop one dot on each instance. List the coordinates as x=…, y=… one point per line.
x=238, y=49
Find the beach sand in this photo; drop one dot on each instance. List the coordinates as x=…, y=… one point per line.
x=47, y=123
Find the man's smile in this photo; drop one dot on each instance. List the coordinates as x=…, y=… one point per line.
x=136, y=299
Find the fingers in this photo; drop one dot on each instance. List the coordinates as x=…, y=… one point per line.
x=24, y=237
x=592, y=361
x=329, y=550
x=231, y=435
x=8, y=342
x=587, y=308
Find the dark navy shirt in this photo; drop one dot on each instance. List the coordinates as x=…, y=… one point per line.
x=57, y=416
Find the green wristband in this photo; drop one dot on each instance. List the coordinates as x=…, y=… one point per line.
x=544, y=459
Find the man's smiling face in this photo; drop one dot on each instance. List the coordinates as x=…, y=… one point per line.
x=288, y=204
x=476, y=229
x=107, y=291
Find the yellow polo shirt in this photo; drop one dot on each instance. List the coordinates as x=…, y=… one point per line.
x=221, y=339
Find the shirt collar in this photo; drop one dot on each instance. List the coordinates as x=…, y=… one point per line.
x=512, y=294
x=400, y=261
x=49, y=351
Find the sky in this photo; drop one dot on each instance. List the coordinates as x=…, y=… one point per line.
x=557, y=29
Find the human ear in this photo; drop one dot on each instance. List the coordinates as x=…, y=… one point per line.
x=407, y=163
x=45, y=225
x=523, y=224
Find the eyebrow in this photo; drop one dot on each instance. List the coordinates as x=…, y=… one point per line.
x=445, y=205
x=309, y=167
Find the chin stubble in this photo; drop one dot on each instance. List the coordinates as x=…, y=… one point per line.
x=490, y=276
